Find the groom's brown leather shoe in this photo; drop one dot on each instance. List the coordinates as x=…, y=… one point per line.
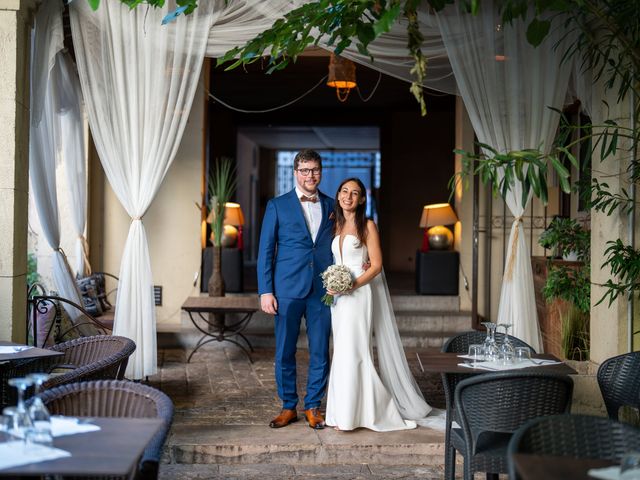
x=285, y=418
x=315, y=419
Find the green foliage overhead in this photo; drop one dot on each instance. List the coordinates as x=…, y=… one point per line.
x=190, y=4
x=502, y=170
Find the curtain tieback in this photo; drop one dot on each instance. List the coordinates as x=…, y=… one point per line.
x=133, y=219
x=514, y=249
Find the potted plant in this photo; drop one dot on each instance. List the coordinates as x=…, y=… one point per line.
x=569, y=283
x=222, y=183
x=567, y=239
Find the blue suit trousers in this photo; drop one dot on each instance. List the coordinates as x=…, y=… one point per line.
x=287, y=327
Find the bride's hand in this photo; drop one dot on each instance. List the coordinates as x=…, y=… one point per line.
x=332, y=292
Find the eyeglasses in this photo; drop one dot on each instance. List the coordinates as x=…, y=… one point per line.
x=306, y=171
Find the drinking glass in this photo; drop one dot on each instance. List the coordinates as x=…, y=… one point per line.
x=39, y=414
x=490, y=346
x=630, y=466
x=22, y=421
x=506, y=349
x=6, y=424
x=476, y=352
x=522, y=354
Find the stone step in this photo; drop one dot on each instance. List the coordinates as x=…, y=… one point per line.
x=276, y=471
x=424, y=329
x=425, y=302
x=297, y=444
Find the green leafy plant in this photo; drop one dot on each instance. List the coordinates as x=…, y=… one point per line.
x=565, y=236
x=501, y=170
x=571, y=283
x=221, y=185
x=190, y=4
x=32, y=269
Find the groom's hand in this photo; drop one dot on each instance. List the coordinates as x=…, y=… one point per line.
x=269, y=304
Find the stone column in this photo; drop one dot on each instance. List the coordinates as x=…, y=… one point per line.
x=608, y=322
x=15, y=47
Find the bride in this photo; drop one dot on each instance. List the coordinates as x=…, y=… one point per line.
x=357, y=396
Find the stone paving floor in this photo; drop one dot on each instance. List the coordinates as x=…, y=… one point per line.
x=223, y=404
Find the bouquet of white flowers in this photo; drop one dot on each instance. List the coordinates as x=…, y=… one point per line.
x=337, y=278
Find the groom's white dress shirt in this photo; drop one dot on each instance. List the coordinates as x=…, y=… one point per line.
x=312, y=213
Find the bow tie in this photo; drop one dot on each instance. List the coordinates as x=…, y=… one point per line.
x=304, y=198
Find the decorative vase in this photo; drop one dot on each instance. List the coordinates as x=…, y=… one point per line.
x=216, y=287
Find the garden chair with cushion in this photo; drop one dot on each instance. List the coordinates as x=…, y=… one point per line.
x=460, y=344
x=491, y=407
x=619, y=381
x=574, y=436
x=117, y=398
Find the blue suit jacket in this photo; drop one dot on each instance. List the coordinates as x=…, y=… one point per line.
x=289, y=262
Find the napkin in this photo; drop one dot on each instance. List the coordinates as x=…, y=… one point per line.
x=497, y=367
x=608, y=473
x=15, y=453
x=61, y=426
x=4, y=349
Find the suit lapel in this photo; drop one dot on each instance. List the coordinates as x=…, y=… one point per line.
x=296, y=208
x=327, y=208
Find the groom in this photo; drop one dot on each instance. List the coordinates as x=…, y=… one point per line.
x=295, y=248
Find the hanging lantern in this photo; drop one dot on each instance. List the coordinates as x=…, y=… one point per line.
x=342, y=76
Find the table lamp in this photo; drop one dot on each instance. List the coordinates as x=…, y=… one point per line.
x=234, y=219
x=232, y=225
x=433, y=220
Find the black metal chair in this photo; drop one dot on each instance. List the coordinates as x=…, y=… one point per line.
x=460, y=344
x=575, y=436
x=117, y=398
x=491, y=407
x=619, y=382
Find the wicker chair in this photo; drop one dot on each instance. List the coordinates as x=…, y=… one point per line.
x=619, y=381
x=491, y=407
x=460, y=344
x=576, y=436
x=91, y=358
x=117, y=398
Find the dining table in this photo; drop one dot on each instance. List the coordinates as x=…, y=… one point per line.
x=199, y=309
x=551, y=467
x=18, y=360
x=449, y=362
x=114, y=450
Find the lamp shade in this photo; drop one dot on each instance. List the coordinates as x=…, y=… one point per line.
x=233, y=214
x=437, y=214
x=342, y=76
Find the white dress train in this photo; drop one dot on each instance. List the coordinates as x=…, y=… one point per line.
x=357, y=395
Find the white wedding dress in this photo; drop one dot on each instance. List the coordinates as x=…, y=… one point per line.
x=357, y=395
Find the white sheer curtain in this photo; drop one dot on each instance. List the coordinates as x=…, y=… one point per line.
x=241, y=20
x=73, y=157
x=138, y=79
x=507, y=87
x=45, y=142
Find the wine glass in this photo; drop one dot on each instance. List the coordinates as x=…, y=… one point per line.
x=39, y=414
x=507, y=351
x=490, y=347
x=22, y=421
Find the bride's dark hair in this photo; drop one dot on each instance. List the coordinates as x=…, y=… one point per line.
x=360, y=214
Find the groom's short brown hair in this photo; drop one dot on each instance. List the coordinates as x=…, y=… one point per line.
x=307, y=155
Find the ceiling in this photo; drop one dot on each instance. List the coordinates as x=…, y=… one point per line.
x=293, y=108
x=318, y=137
